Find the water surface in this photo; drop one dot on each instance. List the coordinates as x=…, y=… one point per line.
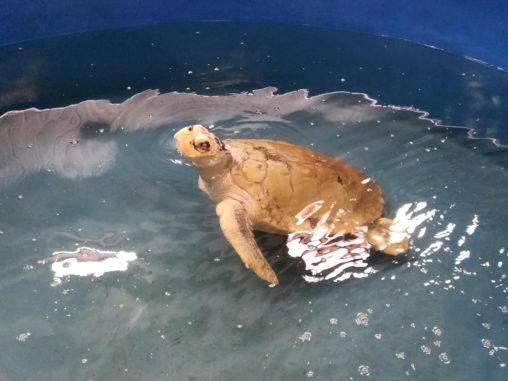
x=105, y=174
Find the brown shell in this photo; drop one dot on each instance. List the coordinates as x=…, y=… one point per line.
x=284, y=179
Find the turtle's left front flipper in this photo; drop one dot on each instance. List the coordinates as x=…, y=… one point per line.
x=237, y=228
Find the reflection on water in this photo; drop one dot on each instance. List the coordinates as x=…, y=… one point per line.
x=105, y=175
x=86, y=261
x=68, y=141
x=329, y=257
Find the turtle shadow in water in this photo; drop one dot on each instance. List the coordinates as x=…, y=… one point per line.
x=275, y=250
x=273, y=247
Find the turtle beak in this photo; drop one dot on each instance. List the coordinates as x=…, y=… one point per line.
x=196, y=141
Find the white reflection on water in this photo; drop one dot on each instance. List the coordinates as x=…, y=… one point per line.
x=86, y=261
x=337, y=258
x=56, y=140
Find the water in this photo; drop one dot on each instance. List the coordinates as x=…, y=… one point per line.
x=107, y=176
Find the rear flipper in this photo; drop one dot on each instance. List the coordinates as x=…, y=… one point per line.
x=384, y=235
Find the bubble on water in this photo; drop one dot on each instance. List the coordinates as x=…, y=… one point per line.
x=378, y=336
x=24, y=336
x=486, y=343
x=84, y=361
x=342, y=334
x=437, y=331
x=486, y=325
x=401, y=355
x=362, y=319
x=333, y=321
x=364, y=370
x=306, y=336
x=443, y=357
x=425, y=349
x=309, y=373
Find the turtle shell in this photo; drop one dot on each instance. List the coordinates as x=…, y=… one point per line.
x=286, y=180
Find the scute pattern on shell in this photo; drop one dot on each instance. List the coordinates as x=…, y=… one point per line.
x=284, y=178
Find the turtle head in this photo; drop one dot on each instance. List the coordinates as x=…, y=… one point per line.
x=196, y=142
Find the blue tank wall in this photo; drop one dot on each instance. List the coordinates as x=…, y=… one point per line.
x=476, y=28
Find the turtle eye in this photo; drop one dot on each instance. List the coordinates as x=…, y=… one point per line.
x=190, y=128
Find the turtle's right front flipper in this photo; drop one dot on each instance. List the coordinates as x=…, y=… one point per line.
x=237, y=228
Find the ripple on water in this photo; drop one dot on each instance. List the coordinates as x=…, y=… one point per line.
x=122, y=180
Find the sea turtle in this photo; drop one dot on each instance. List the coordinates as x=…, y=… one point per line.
x=263, y=184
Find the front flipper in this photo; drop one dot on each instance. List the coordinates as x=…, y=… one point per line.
x=237, y=228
